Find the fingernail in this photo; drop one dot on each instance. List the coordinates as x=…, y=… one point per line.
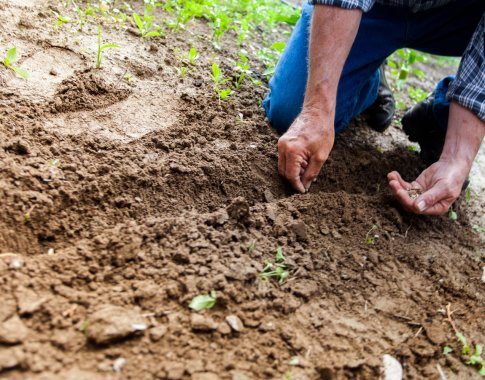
x=421, y=205
x=307, y=187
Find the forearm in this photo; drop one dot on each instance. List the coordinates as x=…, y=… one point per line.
x=332, y=34
x=464, y=136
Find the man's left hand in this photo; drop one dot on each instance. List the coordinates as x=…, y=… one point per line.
x=440, y=185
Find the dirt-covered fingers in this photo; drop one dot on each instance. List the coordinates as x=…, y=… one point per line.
x=435, y=201
x=293, y=168
x=400, y=190
x=313, y=169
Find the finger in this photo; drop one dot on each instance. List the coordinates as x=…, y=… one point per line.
x=281, y=157
x=401, y=194
x=292, y=174
x=314, y=167
x=435, y=201
x=397, y=177
x=304, y=165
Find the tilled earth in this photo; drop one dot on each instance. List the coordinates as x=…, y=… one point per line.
x=122, y=200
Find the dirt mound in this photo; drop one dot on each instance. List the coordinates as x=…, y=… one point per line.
x=124, y=199
x=87, y=91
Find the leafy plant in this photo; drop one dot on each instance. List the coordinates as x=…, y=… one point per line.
x=146, y=24
x=474, y=355
x=452, y=215
x=193, y=56
x=103, y=47
x=218, y=79
x=371, y=237
x=276, y=270
x=203, y=301
x=10, y=59
x=182, y=71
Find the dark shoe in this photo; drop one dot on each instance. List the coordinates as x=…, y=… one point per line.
x=379, y=115
x=420, y=124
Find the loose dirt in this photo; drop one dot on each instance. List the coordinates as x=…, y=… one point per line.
x=122, y=200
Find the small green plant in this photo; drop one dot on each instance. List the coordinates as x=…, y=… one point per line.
x=203, y=301
x=452, y=215
x=276, y=270
x=371, y=237
x=218, y=79
x=146, y=24
x=182, y=71
x=103, y=47
x=468, y=195
x=61, y=20
x=472, y=355
x=84, y=327
x=412, y=148
x=193, y=56
x=447, y=350
x=10, y=59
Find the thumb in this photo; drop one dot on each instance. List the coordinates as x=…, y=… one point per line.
x=311, y=172
x=434, y=201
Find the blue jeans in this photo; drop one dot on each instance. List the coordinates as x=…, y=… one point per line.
x=445, y=30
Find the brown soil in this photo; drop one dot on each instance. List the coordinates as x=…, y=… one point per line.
x=161, y=193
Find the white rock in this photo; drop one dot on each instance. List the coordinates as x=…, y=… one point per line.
x=483, y=275
x=235, y=323
x=118, y=364
x=392, y=368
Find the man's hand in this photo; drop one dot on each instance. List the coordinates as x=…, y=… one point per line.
x=306, y=145
x=304, y=148
x=440, y=185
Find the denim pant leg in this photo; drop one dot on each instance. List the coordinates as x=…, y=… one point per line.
x=381, y=31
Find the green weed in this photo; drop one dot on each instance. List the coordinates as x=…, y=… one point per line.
x=452, y=215
x=371, y=237
x=146, y=24
x=203, y=301
x=276, y=270
x=473, y=355
x=103, y=47
x=10, y=59
x=193, y=56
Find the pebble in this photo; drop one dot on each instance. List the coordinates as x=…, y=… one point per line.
x=29, y=301
x=13, y=331
x=118, y=364
x=235, y=323
x=202, y=323
x=11, y=357
x=109, y=323
x=157, y=333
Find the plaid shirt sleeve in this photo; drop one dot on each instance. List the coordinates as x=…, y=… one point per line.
x=468, y=88
x=364, y=5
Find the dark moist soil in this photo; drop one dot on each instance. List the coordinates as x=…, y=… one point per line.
x=122, y=200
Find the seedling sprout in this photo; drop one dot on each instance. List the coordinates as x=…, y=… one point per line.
x=276, y=270
x=203, y=301
x=10, y=59
x=101, y=48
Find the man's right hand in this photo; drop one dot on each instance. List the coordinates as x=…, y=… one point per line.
x=304, y=148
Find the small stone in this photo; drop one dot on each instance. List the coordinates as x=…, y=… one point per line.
x=392, y=368
x=238, y=209
x=268, y=196
x=109, y=323
x=336, y=234
x=483, y=275
x=29, y=301
x=299, y=228
x=224, y=329
x=202, y=323
x=53, y=72
x=205, y=376
x=235, y=323
x=118, y=364
x=13, y=331
x=175, y=371
x=157, y=333
x=16, y=263
x=11, y=357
